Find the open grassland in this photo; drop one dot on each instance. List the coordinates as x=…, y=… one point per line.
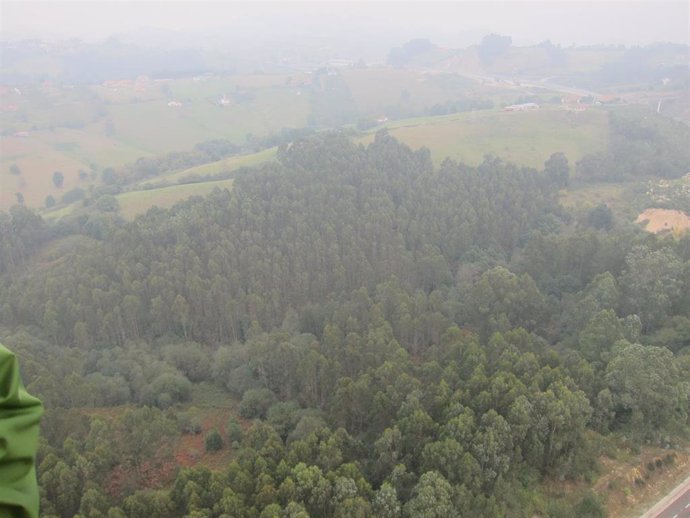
x=134, y=203
x=256, y=105
x=160, y=128
x=227, y=164
x=526, y=138
x=69, y=151
x=73, y=129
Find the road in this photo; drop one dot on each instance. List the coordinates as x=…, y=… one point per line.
x=544, y=83
x=674, y=505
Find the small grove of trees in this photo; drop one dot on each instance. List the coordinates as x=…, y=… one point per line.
x=641, y=145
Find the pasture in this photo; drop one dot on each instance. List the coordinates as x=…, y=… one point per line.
x=73, y=129
x=133, y=203
x=69, y=151
x=526, y=138
x=224, y=165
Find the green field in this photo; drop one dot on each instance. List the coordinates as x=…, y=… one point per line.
x=224, y=165
x=73, y=129
x=160, y=128
x=526, y=138
x=90, y=128
x=134, y=203
x=140, y=200
x=66, y=150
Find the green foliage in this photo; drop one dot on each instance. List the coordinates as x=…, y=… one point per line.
x=652, y=283
x=256, y=402
x=641, y=144
x=590, y=507
x=600, y=217
x=432, y=498
x=166, y=389
x=646, y=394
x=557, y=169
x=73, y=195
x=234, y=430
x=106, y=203
x=409, y=341
x=213, y=441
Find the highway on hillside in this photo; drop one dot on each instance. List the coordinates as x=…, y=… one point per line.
x=675, y=505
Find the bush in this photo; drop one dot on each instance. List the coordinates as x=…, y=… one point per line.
x=167, y=389
x=590, y=507
x=256, y=402
x=188, y=424
x=213, y=441
x=234, y=430
x=75, y=194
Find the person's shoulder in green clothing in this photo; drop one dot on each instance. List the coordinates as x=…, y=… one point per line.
x=19, y=418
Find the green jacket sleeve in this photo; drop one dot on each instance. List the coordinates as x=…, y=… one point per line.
x=19, y=417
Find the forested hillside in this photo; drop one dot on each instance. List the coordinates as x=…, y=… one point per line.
x=404, y=340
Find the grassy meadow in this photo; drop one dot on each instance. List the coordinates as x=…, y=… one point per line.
x=226, y=164
x=526, y=138
x=80, y=131
x=133, y=203
x=50, y=128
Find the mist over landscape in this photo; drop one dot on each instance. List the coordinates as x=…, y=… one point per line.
x=344, y=259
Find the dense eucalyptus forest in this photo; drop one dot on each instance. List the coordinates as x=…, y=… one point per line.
x=403, y=339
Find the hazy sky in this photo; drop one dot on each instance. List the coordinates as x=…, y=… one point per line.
x=445, y=23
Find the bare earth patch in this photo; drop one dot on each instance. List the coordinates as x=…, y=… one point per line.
x=664, y=220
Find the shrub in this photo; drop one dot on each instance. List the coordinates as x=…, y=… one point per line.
x=213, y=441
x=590, y=507
x=234, y=430
x=256, y=402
